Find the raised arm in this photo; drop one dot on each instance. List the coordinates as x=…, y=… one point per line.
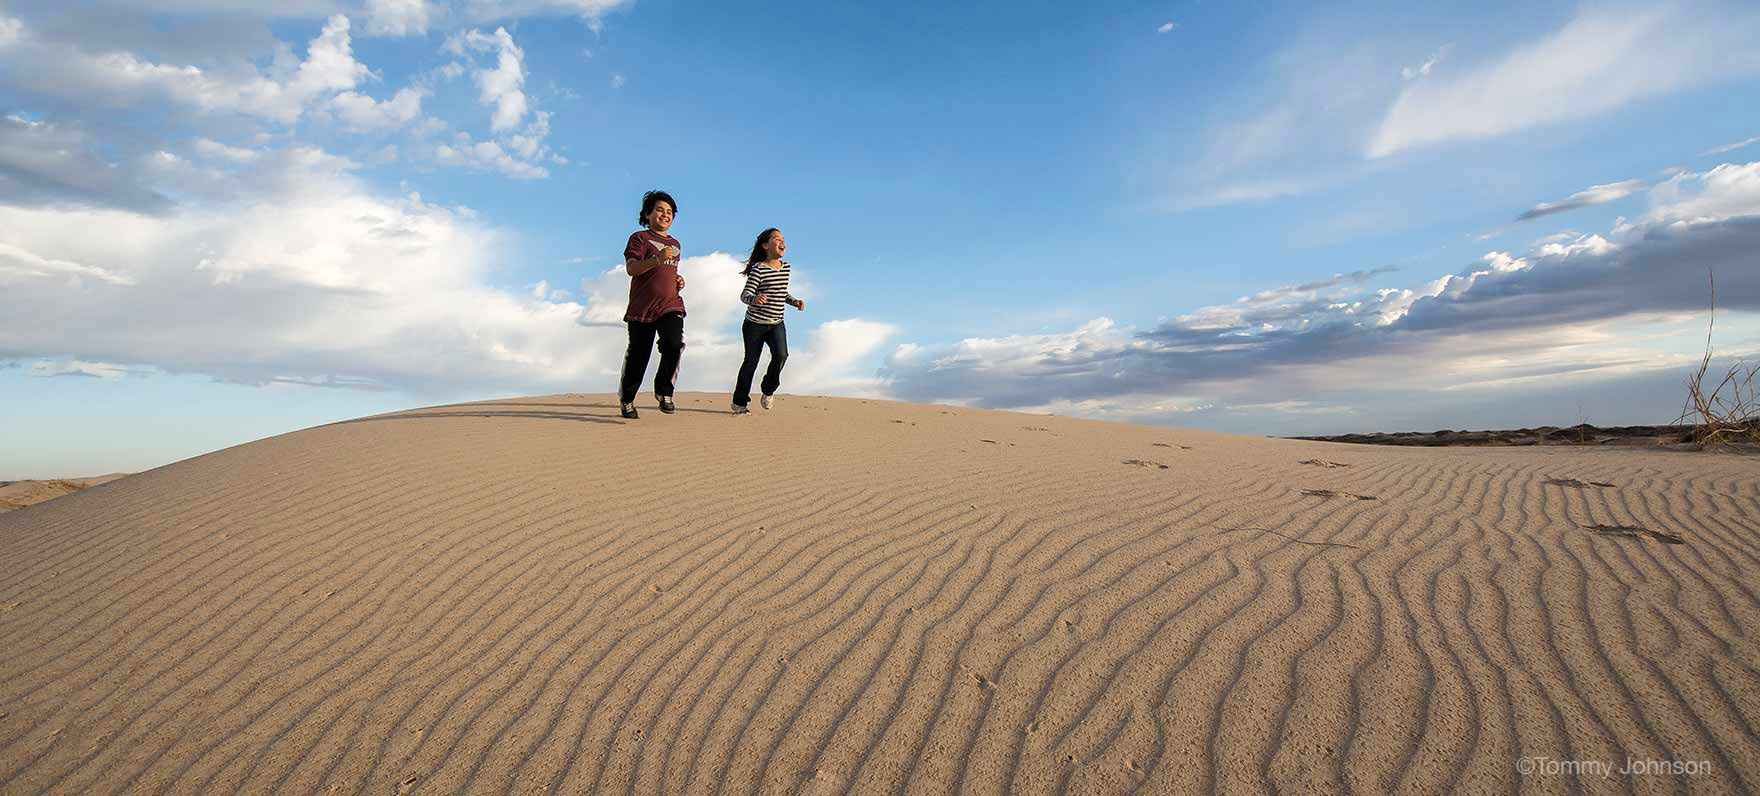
x=638, y=267
x=635, y=263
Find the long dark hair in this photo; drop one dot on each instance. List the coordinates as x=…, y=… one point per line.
x=649, y=199
x=758, y=254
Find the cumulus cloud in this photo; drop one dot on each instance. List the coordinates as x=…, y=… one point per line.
x=212, y=150
x=362, y=113
x=288, y=268
x=1507, y=318
x=281, y=92
x=397, y=17
x=487, y=156
x=1604, y=58
x=592, y=11
x=1727, y=191
x=43, y=163
x=1166, y=27
x=519, y=148
x=829, y=358
x=500, y=85
x=1593, y=195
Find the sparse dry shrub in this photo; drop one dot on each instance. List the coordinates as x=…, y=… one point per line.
x=1727, y=414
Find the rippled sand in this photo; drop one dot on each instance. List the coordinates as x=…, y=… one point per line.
x=844, y=596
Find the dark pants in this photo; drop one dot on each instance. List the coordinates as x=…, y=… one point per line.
x=757, y=336
x=670, y=331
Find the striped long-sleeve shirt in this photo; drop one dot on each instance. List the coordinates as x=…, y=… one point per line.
x=773, y=283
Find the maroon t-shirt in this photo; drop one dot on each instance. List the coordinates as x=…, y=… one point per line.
x=654, y=293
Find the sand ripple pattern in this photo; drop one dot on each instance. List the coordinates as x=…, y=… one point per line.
x=534, y=597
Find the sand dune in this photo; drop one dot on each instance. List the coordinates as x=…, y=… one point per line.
x=18, y=494
x=843, y=596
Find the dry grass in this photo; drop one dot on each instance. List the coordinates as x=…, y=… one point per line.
x=1729, y=413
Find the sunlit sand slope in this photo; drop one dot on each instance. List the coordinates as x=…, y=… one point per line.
x=535, y=596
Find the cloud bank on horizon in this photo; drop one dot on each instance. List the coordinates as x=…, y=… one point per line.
x=1507, y=319
x=242, y=198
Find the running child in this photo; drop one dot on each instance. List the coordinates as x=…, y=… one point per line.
x=656, y=311
x=765, y=291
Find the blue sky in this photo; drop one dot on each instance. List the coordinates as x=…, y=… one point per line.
x=221, y=221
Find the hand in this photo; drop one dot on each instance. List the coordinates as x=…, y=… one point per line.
x=669, y=252
x=800, y=304
x=681, y=283
x=761, y=299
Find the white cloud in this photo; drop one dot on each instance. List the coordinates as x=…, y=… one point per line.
x=1731, y=147
x=487, y=156
x=529, y=143
x=501, y=85
x=1593, y=195
x=1605, y=58
x=1166, y=27
x=1568, y=309
x=1724, y=192
x=831, y=353
x=11, y=30
x=212, y=150
x=107, y=371
x=617, y=81
x=281, y=92
x=592, y=11
x=296, y=272
x=361, y=113
x=397, y=17
x=314, y=277
x=519, y=130
x=1423, y=70
x=45, y=163
x=17, y=265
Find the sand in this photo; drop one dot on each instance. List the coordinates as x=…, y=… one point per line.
x=533, y=596
x=18, y=494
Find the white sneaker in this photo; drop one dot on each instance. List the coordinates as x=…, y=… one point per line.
x=767, y=401
x=741, y=410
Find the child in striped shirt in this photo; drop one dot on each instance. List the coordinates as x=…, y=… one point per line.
x=765, y=291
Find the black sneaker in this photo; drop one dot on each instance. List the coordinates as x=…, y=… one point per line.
x=629, y=411
x=666, y=404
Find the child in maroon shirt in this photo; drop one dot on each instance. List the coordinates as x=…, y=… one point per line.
x=656, y=311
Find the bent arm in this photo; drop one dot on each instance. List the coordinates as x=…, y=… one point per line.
x=749, y=293
x=639, y=267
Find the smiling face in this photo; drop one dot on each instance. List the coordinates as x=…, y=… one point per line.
x=775, y=246
x=660, y=218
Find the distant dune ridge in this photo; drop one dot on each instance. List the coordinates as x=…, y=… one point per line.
x=18, y=494
x=845, y=596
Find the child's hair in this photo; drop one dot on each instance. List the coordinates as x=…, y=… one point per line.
x=758, y=254
x=648, y=201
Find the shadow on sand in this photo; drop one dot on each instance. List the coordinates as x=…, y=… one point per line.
x=584, y=418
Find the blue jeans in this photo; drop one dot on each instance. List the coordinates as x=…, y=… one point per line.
x=757, y=336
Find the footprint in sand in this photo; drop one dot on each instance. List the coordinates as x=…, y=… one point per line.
x=1322, y=463
x=1634, y=532
x=1330, y=493
x=1145, y=463
x=1575, y=484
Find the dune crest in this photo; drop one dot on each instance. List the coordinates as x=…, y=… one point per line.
x=843, y=596
x=18, y=494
